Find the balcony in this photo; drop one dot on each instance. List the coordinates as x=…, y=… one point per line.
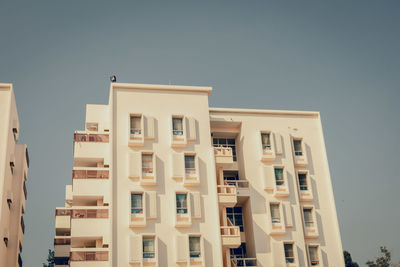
x=90, y=146
x=244, y=262
x=223, y=155
x=82, y=257
x=242, y=187
x=63, y=219
x=62, y=247
x=89, y=222
x=227, y=195
x=90, y=174
x=230, y=236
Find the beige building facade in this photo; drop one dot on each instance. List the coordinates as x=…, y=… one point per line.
x=162, y=179
x=14, y=163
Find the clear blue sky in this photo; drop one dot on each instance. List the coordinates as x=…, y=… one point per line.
x=338, y=57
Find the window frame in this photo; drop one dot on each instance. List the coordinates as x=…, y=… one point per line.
x=154, y=253
x=185, y=202
x=233, y=214
x=200, y=255
x=318, y=254
x=143, y=210
x=141, y=130
x=289, y=259
x=175, y=132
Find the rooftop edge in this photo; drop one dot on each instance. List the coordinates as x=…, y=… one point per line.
x=265, y=111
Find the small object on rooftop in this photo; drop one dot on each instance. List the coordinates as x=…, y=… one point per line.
x=113, y=79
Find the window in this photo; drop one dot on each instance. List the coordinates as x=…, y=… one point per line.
x=239, y=252
x=181, y=204
x=190, y=167
x=266, y=141
x=12, y=165
x=226, y=142
x=177, y=126
x=194, y=246
x=303, y=181
x=308, y=217
x=313, y=252
x=298, y=150
x=230, y=177
x=149, y=248
x=279, y=176
x=136, y=203
x=147, y=164
x=235, y=216
x=275, y=213
x=15, y=134
x=136, y=124
x=289, y=254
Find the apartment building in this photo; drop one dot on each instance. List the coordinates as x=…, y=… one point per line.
x=14, y=163
x=162, y=179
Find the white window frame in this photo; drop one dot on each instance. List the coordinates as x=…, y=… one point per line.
x=318, y=254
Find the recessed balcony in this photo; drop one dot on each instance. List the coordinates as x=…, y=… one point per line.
x=223, y=155
x=62, y=247
x=230, y=236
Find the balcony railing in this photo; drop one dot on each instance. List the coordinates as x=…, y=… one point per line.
x=90, y=174
x=62, y=241
x=89, y=214
x=89, y=256
x=63, y=212
x=247, y=262
x=22, y=225
x=240, y=184
x=102, y=138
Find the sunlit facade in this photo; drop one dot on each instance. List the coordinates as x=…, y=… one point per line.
x=162, y=179
x=14, y=163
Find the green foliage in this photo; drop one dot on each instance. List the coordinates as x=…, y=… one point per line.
x=50, y=259
x=383, y=261
x=348, y=260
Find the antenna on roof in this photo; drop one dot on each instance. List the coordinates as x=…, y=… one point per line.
x=113, y=79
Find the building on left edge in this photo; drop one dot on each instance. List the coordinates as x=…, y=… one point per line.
x=14, y=164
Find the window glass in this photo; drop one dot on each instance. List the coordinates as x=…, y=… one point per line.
x=308, y=218
x=194, y=246
x=136, y=203
x=275, y=214
x=279, y=176
x=236, y=217
x=298, y=151
x=313, y=250
x=239, y=252
x=181, y=204
x=147, y=163
x=177, y=126
x=136, y=126
x=148, y=247
x=189, y=162
x=289, y=255
x=266, y=141
x=303, y=181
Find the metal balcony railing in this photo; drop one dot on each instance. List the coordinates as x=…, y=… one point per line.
x=247, y=262
x=89, y=256
x=90, y=174
x=240, y=184
x=89, y=214
x=102, y=138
